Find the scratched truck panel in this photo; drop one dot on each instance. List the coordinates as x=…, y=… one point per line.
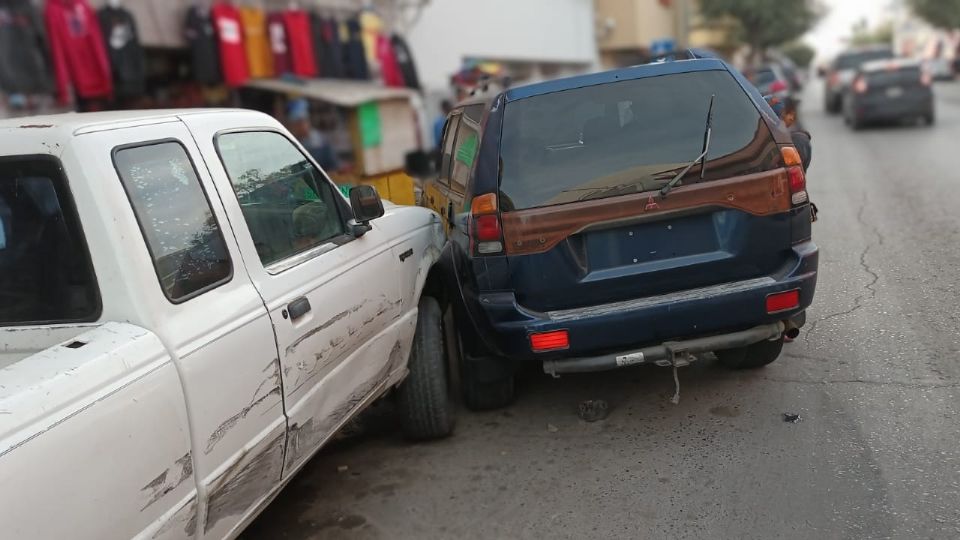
x=170, y=418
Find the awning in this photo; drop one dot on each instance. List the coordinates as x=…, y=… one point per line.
x=338, y=92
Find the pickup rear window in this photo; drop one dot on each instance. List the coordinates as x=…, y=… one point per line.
x=628, y=137
x=45, y=271
x=182, y=234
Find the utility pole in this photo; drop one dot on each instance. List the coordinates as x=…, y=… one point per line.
x=682, y=10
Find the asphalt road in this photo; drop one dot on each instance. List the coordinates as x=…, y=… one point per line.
x=874, y=377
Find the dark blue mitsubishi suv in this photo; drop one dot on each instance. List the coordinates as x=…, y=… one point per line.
x=642, y=215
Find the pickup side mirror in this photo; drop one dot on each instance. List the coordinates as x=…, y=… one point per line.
x=420, y=164
x=367, y=206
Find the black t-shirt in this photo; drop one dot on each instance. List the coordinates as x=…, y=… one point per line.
x=405, y=61
x=204, y=50
x=23, y=60
x=126, y=54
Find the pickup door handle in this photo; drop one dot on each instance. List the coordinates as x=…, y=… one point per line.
x=298, y=308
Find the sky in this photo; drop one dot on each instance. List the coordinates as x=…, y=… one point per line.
x=827, y=37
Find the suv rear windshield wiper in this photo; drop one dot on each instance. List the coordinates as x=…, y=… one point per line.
x=702, y=157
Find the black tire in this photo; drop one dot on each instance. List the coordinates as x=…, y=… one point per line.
x=753, y=356
x=426, y=408
x=485, y=393
x=930, y=119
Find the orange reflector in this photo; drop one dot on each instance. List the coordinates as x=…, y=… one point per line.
x=790, y=156
x=550, y=341
x=484, y=204
x=784, y=301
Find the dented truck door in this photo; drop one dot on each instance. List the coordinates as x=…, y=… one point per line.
x=197, y=296
x=333, y=298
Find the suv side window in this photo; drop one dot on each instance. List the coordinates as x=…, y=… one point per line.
x=45, y=271
x=465, y=148
x=288, y=204
x=449, y=135
x=181, y=232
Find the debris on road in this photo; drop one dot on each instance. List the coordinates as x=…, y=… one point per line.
x=552, y=428
x=592, y=410
x=792, y=418
x=342, y=468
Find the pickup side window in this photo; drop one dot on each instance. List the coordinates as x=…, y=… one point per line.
x=45, y=271
x=288, y=204
x=182, y=234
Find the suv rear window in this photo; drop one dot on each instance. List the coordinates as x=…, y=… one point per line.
x=627, y=137
x=45, y=270
x=907, y=75
x=855, y=60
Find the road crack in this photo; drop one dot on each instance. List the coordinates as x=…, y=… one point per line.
x=870, y=291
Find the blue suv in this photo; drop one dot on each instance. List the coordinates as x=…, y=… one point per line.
x=642, y=215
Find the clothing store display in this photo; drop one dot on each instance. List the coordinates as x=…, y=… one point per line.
x=76, y=47
x=233, y=54
x=204, y=50
x=256, y=41
x=127, y=61
x=300, y=41
x=23, y=60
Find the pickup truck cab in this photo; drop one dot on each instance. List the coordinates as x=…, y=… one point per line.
x=189, y=309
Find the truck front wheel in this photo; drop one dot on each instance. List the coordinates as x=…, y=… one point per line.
x=426, y=408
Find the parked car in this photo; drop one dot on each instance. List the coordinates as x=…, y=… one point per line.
x=586, y=235
x=889, y=90
x=843, y=69
x=771, y=80
x=189, y=310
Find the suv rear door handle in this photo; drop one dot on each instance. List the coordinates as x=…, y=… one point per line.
x=298, y=308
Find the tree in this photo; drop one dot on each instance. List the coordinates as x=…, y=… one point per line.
x=939, y=13
x=763, y=23
x=801, y=53
x=882, y=35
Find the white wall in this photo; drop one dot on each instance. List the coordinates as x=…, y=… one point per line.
x=448, y=31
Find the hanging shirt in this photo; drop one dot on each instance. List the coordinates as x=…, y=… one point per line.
x=333, y=57
x=259, y=55
x=127, y=60
x=76, y=46
x=278, y=44
x=355, y=59
x=319, y=47
x=300, y=40
x=202, y=39
x=23, y=63
x=233, y=54
x=372, y=26
x=405, y=59
x=389, y=68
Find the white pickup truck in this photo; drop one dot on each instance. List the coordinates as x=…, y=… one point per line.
x=189, y=309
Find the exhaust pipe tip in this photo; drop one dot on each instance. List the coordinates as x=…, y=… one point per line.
x=792, y=332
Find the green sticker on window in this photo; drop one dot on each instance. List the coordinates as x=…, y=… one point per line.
x=468, y=150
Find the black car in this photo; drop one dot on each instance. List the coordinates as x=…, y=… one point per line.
x=889, y=90
x=843, y=70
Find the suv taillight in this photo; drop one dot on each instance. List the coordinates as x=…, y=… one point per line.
x=797, y=179
x=860, y=85
x=926, y=78
x=486, y=234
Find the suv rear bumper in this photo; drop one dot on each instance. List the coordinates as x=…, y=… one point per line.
x=622, y=326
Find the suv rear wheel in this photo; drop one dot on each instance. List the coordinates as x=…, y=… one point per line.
x=752, y=356
x=427, y=410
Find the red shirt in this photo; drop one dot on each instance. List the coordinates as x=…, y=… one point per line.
x=233, y=55
x=300, y=40
x=278, y=44
x=76, y=47
x=389, y=67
